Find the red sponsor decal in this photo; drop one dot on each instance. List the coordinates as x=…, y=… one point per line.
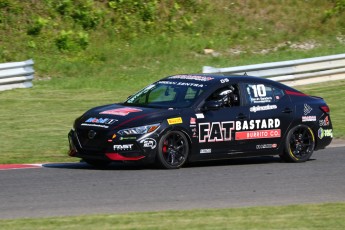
x=257, y=134
x=121, y=111
x=192, y=120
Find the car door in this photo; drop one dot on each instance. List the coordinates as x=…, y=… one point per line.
x=216, y=125
x=271, y=113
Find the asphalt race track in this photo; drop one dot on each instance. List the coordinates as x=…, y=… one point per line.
x=76, y=188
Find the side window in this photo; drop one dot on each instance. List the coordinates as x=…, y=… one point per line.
x=228, y=96
x=278, y=93
x=260, y=93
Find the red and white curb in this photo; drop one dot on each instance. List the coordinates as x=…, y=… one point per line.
x=19, y=166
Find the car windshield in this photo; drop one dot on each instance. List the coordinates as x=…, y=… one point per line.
x=167, y=94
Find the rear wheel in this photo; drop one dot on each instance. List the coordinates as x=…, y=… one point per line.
x=299, y=144
x=173, y=150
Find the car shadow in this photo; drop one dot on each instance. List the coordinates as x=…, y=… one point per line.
x=240, y=161
x=237, y=161
x=85, y=166
x=141, y=166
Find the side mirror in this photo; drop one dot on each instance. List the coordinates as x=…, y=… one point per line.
x=212, y=105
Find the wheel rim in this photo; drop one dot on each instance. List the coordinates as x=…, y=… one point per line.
x=301, y=143
x=174, y=149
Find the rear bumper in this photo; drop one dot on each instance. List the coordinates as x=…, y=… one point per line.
x=324, y=137
x=322, y=144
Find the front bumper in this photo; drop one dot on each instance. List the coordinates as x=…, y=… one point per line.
x=104, y=146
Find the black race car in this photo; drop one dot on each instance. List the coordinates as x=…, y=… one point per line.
x=204, y=117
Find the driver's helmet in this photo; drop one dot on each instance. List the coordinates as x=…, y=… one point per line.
x=228, y=96
x=224, y=96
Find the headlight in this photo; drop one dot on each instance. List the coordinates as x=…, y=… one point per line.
x=139, y=130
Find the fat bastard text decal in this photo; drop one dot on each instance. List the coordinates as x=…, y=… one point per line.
x=244, y=130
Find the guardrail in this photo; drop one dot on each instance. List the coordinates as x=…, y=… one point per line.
x=16, y=75
x=295, y=72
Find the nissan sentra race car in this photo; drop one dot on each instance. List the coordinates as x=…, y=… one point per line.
x=203, y=117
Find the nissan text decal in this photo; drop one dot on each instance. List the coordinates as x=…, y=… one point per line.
x=253, y=129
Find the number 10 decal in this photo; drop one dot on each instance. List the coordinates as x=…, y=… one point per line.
x=259, y=90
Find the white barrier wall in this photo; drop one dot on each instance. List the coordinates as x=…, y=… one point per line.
x=295, y=72
x=16, y=75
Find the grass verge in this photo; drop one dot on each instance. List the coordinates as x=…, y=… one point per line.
x=311, y=216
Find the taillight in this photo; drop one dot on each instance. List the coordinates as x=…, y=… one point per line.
x=325, y=109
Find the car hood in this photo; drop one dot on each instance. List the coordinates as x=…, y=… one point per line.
x=117, y=116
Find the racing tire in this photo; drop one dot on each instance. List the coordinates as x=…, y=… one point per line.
x=299, y=144
x=173, y=150
x=100, y=164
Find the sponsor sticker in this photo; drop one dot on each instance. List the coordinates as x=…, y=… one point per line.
x=174, y=121
x=149, y=143
x=125, y=147
x=307, y=109
x=200, y=115
x=254, y=109
x=324, y=122
x=136, y=96
x=266, y=146
x=191, y=84
x=95, y=125
x=328, y=133
x=121, y=111
x=194, y=133
x=258, y=94
x=192, y=121
x=94, y=120
x=215, y=131
x=257, y=124
x=224, y=80
x=325, y=133
x=192, y=77
x=203, y=151
x=127, y=138
x=258, y=134
x=222, y=131
x=261, y=100
x=308, y=118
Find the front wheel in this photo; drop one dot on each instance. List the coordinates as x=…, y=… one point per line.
x=173, y=150
x=299, y=144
